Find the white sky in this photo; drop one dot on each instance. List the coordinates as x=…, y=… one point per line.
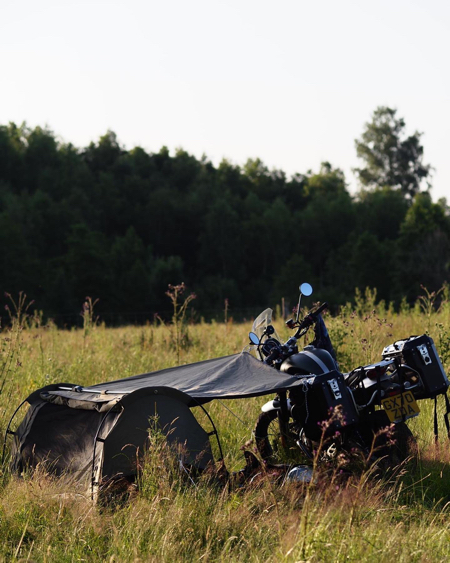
x=291, y=82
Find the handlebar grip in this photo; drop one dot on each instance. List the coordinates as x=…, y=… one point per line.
x=320, y=309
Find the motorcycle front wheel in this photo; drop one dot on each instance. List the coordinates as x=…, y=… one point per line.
x=276, y=446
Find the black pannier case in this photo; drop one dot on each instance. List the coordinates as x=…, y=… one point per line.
x=419, y=353
x=328, y=399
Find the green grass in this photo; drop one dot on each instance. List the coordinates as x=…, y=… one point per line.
x=403, y=518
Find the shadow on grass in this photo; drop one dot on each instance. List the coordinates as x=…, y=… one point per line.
x=427, y=481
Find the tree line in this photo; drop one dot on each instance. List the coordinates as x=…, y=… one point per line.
x=120, y=225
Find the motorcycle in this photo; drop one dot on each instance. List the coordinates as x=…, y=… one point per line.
x=333, y=415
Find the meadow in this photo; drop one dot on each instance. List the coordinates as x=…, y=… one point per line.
x=402, y=517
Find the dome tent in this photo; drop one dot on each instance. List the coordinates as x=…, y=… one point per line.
x=93, y=440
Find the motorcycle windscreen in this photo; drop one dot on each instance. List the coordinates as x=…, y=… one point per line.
x=262, y=321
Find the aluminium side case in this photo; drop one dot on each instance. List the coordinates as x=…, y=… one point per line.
x=419, y=353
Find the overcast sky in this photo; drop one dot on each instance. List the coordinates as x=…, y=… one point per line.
x=291, y=82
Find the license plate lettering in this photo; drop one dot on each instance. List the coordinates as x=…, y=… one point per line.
x=401, y=407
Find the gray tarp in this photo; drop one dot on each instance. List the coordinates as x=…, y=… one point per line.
x=230, y=377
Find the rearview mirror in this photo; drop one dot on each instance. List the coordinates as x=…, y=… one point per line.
x=253, y=338
x=306, y=289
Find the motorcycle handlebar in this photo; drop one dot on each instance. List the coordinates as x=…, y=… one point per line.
x=320, y=309
x=310, y=318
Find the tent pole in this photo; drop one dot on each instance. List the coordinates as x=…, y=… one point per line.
x=8, y=427
x=214, y=427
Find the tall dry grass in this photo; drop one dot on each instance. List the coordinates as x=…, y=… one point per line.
x=402, y=517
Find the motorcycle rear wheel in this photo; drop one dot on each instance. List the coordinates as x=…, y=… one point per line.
x=391, y=445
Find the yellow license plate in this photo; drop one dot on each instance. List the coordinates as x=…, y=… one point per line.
x=401, y=406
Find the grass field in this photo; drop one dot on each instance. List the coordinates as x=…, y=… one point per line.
x=402, y=519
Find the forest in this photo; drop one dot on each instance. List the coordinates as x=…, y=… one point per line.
x=120, y=225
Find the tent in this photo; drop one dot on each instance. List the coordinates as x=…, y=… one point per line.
x=95, y=434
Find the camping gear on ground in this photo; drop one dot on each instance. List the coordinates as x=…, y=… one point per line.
x=334, y=413
x=300, y=474
x=94, y=434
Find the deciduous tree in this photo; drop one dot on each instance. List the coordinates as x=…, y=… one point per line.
x=391, y=158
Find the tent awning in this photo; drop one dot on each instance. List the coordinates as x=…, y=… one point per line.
x=230, y=377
